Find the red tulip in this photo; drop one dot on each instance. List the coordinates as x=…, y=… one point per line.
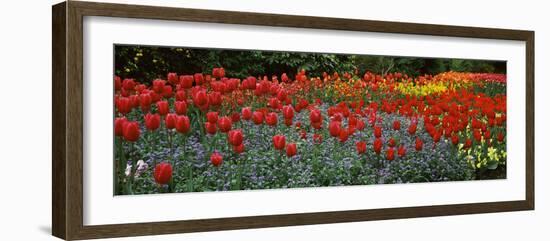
x=390, y=154
x=291, y=149
x=246, y=112
x=284, y=78
x=448, y=132
x=334, y=128
x=477, y=135
x=361, y=147
x=317, y=138
x=152, y=121
x=154, y=96
x=163, y=173
x=163, y=107
x=335, y=116
x=142, y=89
x=281, y=95
x=288, y=112
x=249, y=83
x=377, y=132
x=436, y=136
x=360, y=125
x=501, y=120
x=317, y=125
x=258, y=91
x=172, y=78
x=418, y=144
x=224, y=124
x=186, y=81
x=274, y=88
x=180, y=107
x=210, y=128
x=258, y=117
x=476, y=124
x=302, y=104
x=274, y=103
x=199, y=78
x=215, y=98
x=315, y=116
x=119, y=125
x=271, y=119
x=212, y=117
x=218, y=72
x=235, y=137
x=131, y=131
x=239, y=149
x=500, y=137
x=145, y=101
x=402, y=151
x=279, y=142
x=167, y=91
x=467, y=144
x=183, y=125
x=128, y=84
x=318, y=101
x=303, y=134
x=118, y=83
x=181, y=95
x=200, y=98
x=391, y=142
x=412, y=128
x=344, y=134
x=487, y=134
x=158, y=86
x=216, y=159
x=170, y=121
x=263, y=87
x=134, y=100
x=377, y=145
x=396, y=125
x=454, y=139
x=235, y=117
x=123, y=105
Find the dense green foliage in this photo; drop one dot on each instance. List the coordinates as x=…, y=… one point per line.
x=144, y=63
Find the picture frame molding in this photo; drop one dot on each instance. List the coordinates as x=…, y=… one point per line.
x=67, y=119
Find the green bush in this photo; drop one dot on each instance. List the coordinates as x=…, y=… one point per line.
x=146, y=63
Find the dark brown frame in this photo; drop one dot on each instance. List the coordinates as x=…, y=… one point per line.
x=67, y=123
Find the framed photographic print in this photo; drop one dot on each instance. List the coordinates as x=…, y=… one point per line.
x=171, y=120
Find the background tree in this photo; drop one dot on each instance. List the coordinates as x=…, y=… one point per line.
x=146, y=63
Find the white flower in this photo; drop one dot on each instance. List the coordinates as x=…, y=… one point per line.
x=141, y=167
x=128, y=170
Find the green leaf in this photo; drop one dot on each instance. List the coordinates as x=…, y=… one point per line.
x=492, y=165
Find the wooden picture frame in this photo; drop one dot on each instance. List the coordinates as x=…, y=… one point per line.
x=67, y=124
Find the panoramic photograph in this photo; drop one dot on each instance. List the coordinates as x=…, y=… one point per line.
x=205, y=120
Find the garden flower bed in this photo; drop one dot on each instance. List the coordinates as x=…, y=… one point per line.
x=205, y=132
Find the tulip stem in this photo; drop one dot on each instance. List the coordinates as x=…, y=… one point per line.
x=185, y=158
x=334, y=151
x=149, y=143
x=190, y=187
x=120, y=166
x=171, y=149
x=132, y=171
x=210, y=141
x=280, y=165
